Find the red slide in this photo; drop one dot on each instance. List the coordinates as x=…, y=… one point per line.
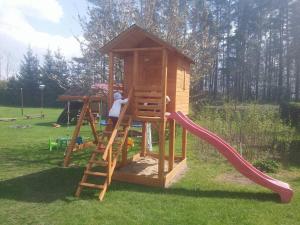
x=244, y=167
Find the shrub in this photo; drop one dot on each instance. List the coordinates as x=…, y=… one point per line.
x=269, y=166
x=290, y=112
x=255, y=131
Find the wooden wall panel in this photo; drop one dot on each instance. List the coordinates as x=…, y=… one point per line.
x=182, y=86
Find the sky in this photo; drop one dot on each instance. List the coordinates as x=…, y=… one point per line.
x=40, y=24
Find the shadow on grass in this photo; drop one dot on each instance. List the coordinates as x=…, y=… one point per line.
x=45, y=186
x=45, y=124
x=199, y=193
x=60, y=184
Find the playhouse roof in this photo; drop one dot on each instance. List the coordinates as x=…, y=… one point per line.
x=134, y=36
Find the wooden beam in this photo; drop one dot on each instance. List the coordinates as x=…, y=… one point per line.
x=161, y=164
x=92, y=124
x=135, y=68
x=124, y=152
x=109, y=165
x=164, y=78
x=111, y=80
x=136, y=179
x=171, y=144
x=184, y=139
x=144, y=142
x=179, y=168
x=138, y=49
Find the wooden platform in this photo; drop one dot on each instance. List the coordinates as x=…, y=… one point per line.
x=144, y=170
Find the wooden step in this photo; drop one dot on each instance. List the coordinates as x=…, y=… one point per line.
x=100, y=151
x=89, y=185
x=119, y=133
x=99, y=162
x=99, y=174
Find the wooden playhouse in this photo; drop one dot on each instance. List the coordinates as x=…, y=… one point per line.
x=152, y=70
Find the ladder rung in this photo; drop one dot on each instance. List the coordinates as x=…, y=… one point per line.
x=101, y=151
x=109, y=132
x=98, y=162
x=89, y=185
x=95, y=173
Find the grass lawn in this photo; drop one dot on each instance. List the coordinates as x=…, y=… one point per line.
x=35, y=189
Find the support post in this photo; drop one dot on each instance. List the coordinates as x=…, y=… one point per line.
x=171, y=144
x=109, y=164
x=124, y=152
x=161, y=164
x=184, y=138
x=144, y=142
x=110, y=80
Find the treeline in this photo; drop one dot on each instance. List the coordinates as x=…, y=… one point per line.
x=243, y=49
x=55, y=72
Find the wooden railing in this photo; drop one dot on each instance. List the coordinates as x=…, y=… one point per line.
x=147, y=101
x=115, y=130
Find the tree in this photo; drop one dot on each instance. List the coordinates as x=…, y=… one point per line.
x=55, y=76
x=29, y=78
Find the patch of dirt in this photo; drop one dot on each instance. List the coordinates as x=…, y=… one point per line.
x=233, y=177
x=143, y=166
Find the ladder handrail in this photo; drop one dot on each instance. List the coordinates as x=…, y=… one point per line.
x=115, y=130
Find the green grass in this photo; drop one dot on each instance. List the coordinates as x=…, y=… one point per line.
x=35, y=189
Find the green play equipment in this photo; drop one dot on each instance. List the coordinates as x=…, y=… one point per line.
x=52, y=144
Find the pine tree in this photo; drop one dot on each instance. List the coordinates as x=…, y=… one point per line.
x=29, y=78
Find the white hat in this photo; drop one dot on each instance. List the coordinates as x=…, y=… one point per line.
x=117, y=96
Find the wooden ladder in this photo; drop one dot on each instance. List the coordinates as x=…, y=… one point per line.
x=106, y=155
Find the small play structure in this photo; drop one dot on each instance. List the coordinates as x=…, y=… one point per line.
x=85, y=114
x=70, y=112
x=152, y=70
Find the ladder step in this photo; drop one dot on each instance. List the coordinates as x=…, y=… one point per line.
x=99, y=162
x=119, y=133
x=89, y=185
x=96, y=173
x=99, y=151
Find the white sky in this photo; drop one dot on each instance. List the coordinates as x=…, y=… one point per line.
x=36, y=23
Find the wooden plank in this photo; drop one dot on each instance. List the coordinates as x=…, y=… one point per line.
x=148, y=94
x=136, y=179
x=109, y=166
x=148, y=100
x=148, y=107
x=138, y=49
x=89, y=185
x=92, y=124
x=102, y=193
x=124, y=152
x=135, y=67
x=147, y=113
x=184, y=139
x=161, y=163
x=147, y=88
x=147, y=118
x=181, y=166
x=98, y=174
x=171, y=144
x=110, y=80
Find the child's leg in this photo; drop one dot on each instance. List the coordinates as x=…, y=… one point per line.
x=114, y=121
